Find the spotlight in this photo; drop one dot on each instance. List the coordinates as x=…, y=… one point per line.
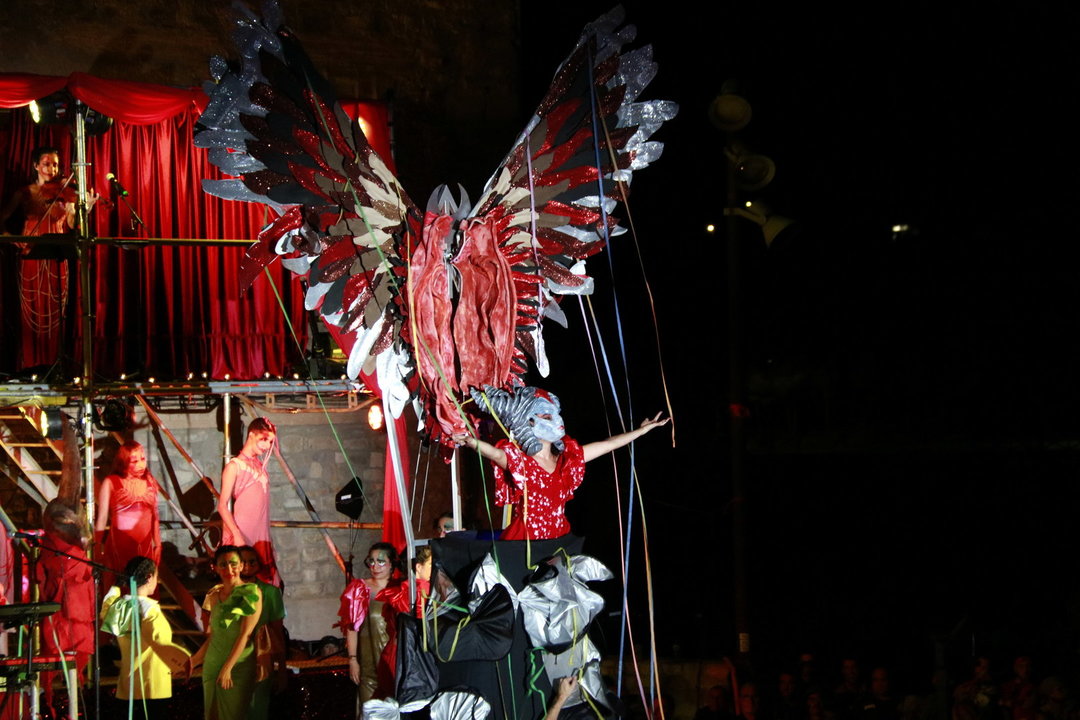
x=116, y=415
x=54, y=109
x=759, y=213
x=94, y=122
x=730, y=112
x=60, y=107
x=375, y=417
x=51, y=423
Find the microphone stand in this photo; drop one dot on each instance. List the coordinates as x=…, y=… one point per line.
x=135, y=219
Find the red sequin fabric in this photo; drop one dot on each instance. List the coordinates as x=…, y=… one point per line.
x=537, y=496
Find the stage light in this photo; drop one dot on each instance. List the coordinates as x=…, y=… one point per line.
x=730, y=112
x=375, y=418
x=53, y=109
x=95, y=123
x=51, y=423
x=759, y=213
x=753, y=172
x=60, y=107
x=116, y=415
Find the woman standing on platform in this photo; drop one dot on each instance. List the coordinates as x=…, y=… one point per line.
x=228, y=655
x=246, y=484
x=43, y=284
x=368, y=613
x=128, y=498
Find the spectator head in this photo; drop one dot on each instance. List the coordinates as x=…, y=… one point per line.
x=252, y=563
x=422, y=563
x=443, y=524
x=144, y=572
x=879, y=682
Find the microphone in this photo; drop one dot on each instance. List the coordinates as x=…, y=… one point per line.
x=116, y=185
x=27, y=534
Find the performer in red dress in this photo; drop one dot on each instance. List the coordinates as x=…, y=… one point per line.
x=69, y=582
x=368, y=617
x=539, y=467
x=128, y=498
x=43, y=284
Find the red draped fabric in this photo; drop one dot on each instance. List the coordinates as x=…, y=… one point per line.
x=161, y=310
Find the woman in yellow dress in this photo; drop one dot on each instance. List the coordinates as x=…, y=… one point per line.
x=145, y=675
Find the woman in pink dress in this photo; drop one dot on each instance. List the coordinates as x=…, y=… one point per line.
x=244, y=482
x=128, y=501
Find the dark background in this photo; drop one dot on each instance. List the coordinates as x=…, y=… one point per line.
x=912, y=437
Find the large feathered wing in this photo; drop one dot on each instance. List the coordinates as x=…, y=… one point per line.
x=455, y=298
x=344, y=222
x=549, y=203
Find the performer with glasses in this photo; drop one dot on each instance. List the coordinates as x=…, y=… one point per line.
x=368, y=611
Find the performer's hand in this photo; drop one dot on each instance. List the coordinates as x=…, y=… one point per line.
x=224, y=678
x=91, y=198
x=354, y=670
x=654, y=422
x=464, y=439
x=565, y=686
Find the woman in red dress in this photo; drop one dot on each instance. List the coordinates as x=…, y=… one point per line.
x=538, y=470
x=43, y=284
x=129, y=499
x=368, y=613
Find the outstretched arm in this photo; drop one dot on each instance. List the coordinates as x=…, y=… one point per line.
x=487, y=450
x=594, y=450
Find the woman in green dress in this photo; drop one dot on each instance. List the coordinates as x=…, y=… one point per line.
x=227, y=656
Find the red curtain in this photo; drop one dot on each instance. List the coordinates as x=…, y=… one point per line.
x=164, y=311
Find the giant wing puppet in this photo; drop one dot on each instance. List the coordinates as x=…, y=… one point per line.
x=438, y=301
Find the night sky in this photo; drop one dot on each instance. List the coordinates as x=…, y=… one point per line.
x=912, y=444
